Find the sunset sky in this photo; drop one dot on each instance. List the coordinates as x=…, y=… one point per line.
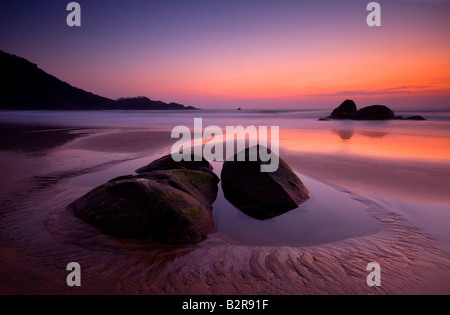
x=245, y=53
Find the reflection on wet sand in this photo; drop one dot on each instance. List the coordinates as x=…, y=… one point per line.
x=347, y=134
x=35, y=138
x=367, y=143
x=373, y=134
x=39, y=238
x=344, y=134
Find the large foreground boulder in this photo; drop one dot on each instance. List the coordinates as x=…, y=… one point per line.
x=173, y=206
x=167, y=163
x=262, y=195
x=201, y=185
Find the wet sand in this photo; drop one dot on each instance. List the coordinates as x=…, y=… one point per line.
x=37, y=241
x=412, y=180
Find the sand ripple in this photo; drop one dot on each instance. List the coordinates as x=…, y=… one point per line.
x=34, y=224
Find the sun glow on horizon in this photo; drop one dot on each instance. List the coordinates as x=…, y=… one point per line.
x=242, y=52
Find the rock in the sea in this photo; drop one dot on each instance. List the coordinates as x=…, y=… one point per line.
x=344, y=111
x=173, y=206
x=416, y=118
x=374, y=112
x=348, y=110
x=262, y=195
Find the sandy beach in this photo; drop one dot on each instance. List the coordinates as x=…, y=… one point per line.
x=39, y=238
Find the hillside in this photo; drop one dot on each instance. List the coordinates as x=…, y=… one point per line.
x=26, y=87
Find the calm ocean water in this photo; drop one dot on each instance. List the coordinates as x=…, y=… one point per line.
x=300, y=130
x=438, y=121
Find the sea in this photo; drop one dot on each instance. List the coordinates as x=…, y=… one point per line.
x=284, y=118
x=300, y=129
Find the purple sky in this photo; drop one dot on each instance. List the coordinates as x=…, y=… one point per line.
x=246, y=53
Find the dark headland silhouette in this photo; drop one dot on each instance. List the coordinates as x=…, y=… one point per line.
x=26, y=87
x=348, y=110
